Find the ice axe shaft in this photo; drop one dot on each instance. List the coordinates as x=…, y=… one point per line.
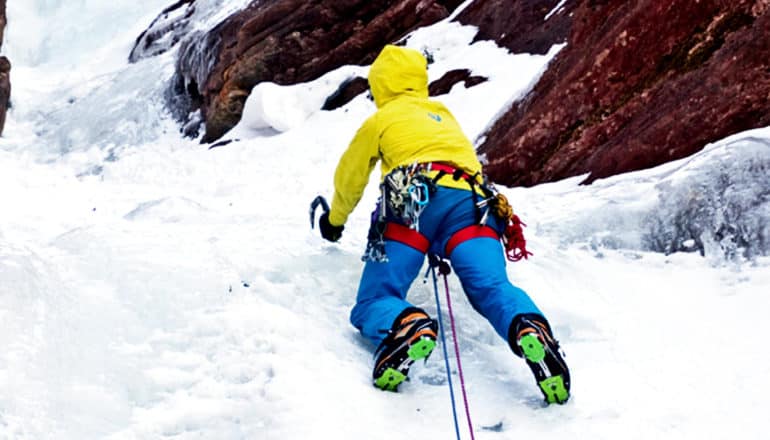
x=320, y=200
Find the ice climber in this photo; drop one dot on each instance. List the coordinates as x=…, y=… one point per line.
x=434, y=201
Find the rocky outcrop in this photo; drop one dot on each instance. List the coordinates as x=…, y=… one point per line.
x=353, y=87
x=3, y=21
x=448, y=80
x=5, y=89
x=345, y=93
x=523, y=26
x=287, y=41
x=639, y=84
x=5, y=71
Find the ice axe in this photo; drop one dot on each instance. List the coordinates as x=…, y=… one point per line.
x=320, y=200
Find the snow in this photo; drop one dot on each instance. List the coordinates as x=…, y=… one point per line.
x=272, y=108
x=555, y=9
x=153, y=288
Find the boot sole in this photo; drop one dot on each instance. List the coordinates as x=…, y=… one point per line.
x=553, y=388
x=392, y=377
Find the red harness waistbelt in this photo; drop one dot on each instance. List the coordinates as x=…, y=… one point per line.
x=450, y=170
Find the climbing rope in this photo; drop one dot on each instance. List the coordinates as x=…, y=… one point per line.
x=513, y=235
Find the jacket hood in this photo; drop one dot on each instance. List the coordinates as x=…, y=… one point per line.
x=398, y=71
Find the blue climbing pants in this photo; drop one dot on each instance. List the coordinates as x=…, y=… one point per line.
x=478, y=262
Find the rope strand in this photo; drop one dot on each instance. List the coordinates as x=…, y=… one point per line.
x=444, y=270
x=446, y=354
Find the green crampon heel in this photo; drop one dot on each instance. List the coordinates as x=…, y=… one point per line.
x=554, y=389
x=391, y=378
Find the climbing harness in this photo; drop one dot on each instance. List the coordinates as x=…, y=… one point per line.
x=495, y=202
x=477, y=188
x=406, y=191
x=444, y=270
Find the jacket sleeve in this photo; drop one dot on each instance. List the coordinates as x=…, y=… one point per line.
x=353, y=171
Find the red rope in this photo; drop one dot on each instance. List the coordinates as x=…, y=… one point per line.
x=515, y=243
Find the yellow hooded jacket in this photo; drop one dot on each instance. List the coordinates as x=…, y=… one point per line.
x=407, y=128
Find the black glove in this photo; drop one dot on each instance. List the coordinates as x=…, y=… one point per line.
x=328, y=230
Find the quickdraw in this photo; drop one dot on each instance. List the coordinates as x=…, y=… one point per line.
x=407, y=192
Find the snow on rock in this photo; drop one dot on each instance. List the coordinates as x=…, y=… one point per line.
x=716, y=202
x=165, y=31
x=280, y=108
x=287, y=42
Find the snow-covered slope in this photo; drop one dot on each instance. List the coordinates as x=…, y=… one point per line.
x=151, y=288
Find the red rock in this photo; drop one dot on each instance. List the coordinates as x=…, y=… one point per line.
x=5, y=89
x=290, y=41
x=523, y=26
x=639, y=84
x=5, y=71
x=445, y=83
x=348, y=90
x=355, y=86
x=3, y=20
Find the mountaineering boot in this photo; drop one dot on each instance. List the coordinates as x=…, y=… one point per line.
x=412, y=338
x=530, y=337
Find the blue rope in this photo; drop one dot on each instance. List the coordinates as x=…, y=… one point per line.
x=446, y=354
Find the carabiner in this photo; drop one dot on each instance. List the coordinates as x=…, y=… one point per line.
x=419, y=193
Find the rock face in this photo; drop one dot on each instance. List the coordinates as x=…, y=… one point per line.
x=346, y=92
x=355, y=86
x=5, y=89
x=523, y=26
x=287, y=41
x=639, y=84
x=5, y=72
x=445, y=83
x=3, y=21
